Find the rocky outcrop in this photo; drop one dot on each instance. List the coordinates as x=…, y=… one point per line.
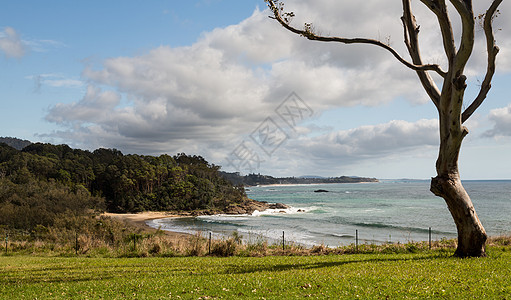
x=278, y=206
x=249, y=206
x=246, y=207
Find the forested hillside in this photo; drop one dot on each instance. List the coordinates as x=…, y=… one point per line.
x=43, y=180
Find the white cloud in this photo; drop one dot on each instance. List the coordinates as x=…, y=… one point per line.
x=374, y=141
x=65, y=82
x=54, y=80
x=501, y=119
x=44, y=45
x=197, y=79
x=96, y=106
x=11, y=44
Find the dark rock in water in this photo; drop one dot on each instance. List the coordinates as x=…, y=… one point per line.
x=278, y=206
x=321, y=191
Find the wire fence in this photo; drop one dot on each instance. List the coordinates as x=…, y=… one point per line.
x=81, y=242
x=283, y=238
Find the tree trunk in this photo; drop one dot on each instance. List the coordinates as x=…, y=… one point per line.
x=471, y=234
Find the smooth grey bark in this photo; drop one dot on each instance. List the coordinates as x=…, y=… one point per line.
x=448, y=100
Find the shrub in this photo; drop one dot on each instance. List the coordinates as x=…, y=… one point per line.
x=224, y=248
x=196, y=245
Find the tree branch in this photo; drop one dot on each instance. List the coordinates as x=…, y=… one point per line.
x=492, y=50
x=309, y=34
x=439, y=8
x=411, y=33
x=464, y=9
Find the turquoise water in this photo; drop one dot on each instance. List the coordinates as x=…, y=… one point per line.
x=389, y=211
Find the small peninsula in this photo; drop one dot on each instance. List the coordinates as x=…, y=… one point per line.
x=258, y=179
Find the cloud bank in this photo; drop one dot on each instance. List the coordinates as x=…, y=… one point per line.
x=205, y=98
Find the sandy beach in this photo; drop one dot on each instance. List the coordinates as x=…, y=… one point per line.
x=139, y=220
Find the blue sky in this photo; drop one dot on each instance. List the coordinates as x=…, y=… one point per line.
x=202, y=77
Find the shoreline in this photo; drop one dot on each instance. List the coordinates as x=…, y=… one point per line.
x=139, y=220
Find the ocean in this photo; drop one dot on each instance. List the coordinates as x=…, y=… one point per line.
x=388, y=211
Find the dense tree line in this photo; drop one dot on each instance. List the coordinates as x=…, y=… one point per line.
x=258, y=179
x=43, y=180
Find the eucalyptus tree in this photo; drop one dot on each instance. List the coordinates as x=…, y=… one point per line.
x=447, y=95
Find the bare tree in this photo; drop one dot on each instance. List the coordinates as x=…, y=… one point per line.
x=448, y=100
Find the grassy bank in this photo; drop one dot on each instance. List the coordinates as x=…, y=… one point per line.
x=108, y=237
x=368, y=276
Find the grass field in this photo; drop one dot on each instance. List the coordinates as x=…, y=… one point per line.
x=364, y=276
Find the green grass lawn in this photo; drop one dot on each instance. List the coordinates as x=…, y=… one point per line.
x=365, y=276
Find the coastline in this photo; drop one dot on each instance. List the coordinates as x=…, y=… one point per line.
x=138, y=220
x=308, y=184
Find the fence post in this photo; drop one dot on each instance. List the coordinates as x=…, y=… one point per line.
x=209, y=246
x=283, y=241
x=76, y=242
x=429, y=238
x=356, y=240
x=6, y=241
